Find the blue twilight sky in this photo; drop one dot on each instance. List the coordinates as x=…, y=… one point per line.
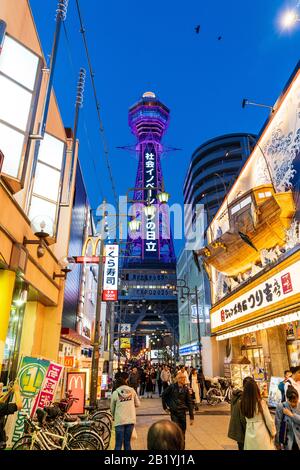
x=138, y=46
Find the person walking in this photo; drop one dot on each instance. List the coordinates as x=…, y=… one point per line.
x=281, y=386
x=184, y=372
x=124, y=400
x=237, y=424
x=165, y=377
x=143, y=382
x=158, y=380
x=153, y=380
x=201, y=382
x=294, y=380
x=134, y=379
x=177, y=399
x=149, y=386
x=260, y=427
x=195, y=387
x=287, y=421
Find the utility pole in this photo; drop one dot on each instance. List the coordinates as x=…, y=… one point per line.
x=198, y=327
x=111, y=342
x=96, y=342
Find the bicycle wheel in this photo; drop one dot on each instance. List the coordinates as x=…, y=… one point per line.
x=25, y=443
x=105, y=432
x=103, y=416
x=80, y=444
x=213, y=396
x=89, y=435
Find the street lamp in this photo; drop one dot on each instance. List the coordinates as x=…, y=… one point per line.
x=134, y=225
x=163, y=197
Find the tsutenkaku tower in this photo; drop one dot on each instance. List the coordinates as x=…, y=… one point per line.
x=149, y=120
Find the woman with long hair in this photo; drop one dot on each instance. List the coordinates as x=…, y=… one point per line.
x=260, y=427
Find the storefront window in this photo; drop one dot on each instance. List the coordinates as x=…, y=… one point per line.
x=293, y=343
x=12, y=345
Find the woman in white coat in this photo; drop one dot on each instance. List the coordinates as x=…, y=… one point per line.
x=260, y=427
x=195, y=387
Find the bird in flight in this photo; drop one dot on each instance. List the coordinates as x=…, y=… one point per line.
x=197, y=29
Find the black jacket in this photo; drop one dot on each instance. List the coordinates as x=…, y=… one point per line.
x=237, y=425
x=178, y=400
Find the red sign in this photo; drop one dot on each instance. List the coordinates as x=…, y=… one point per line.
x=69, y=361
x=286, y=282
x=222, y=315
x=86, y=259
x=110, y=295
x=47, y=393
x=76, y=383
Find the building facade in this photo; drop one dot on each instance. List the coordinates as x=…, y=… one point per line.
x=253, y=253
x=35, y=184
x=213, y=168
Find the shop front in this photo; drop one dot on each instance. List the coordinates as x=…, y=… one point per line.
x=261, y=321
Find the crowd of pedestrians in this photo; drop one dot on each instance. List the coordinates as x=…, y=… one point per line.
x=182, y=390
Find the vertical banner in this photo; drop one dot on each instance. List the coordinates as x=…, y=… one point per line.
x=110, y=278
x=47, y=393
x=31, y=375
x=150, y=182
x=76, y=383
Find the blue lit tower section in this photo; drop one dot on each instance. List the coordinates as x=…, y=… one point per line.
x=153, y=246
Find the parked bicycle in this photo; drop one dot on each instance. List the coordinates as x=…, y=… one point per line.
x=39, y=437
x=219, y=391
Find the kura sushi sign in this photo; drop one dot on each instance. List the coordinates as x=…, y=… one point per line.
x=110, y=281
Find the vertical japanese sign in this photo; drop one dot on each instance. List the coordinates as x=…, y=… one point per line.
x=110, y=279
x=76, y=383
x=31, y=375
x=150, y=182
x=48, y=390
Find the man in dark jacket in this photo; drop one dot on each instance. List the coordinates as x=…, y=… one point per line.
x=134, y=379
x=177, y=399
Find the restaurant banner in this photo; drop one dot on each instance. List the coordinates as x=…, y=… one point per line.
x=47, y=394
x=31, y=375
x=110, y=282
x=76, y=382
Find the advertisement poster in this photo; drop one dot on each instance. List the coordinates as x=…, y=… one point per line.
x=31, y=375
x=125, y=343
x=47, y=393
x=76, y=383
x=274, y=392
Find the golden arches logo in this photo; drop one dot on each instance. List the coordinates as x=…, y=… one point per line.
x=75, y=381
x=94, y=242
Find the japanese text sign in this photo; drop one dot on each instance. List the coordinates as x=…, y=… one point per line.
x=282, y=285
x=110, y=283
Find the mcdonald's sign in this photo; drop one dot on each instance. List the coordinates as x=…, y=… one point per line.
x=69, y=361
x=76, y=383
x=92, y=257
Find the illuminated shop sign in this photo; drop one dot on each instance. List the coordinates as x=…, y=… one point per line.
x=188, y=349
x=110, y=284
x=150, y=181
x=281, y=286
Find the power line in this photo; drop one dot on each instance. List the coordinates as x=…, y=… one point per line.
x=69, y=53
x=101, y=128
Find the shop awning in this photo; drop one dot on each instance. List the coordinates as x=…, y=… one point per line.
x=74, y=337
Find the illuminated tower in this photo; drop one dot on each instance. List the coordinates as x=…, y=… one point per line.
x=149, y=120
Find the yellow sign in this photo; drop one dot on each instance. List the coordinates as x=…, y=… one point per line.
x=94, y=242
x=125, y=343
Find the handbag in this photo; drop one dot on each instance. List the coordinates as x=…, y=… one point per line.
x=134, y=434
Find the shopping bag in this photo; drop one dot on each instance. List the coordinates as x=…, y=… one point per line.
x=134, y=434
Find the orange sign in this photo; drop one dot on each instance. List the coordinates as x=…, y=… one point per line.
x=76, y=383
x=69, y=361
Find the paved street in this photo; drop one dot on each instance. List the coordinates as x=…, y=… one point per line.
x=209, y=431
